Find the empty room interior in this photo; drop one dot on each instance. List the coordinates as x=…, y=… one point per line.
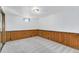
x=39, y=29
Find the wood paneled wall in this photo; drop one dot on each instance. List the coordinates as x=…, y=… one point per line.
x=0, y=36
x=15, y=35
x=69, y=39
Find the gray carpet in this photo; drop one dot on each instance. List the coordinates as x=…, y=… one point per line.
x=36, y=45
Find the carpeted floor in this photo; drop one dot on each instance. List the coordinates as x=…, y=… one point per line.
x=36, y=45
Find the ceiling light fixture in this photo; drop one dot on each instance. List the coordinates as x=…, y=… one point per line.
x=36, y=10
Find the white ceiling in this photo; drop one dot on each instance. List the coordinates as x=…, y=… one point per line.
x=26, y=11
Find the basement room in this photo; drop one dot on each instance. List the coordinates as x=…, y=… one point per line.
x=39, y=29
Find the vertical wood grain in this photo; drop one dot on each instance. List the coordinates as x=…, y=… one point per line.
x=69, y=39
